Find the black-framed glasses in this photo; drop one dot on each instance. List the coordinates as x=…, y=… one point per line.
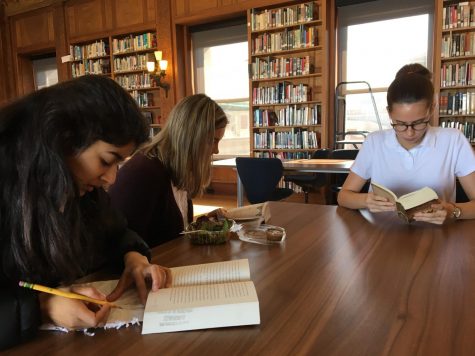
x=417, y=126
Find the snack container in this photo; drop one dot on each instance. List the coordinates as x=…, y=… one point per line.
x=216, y=232
x=263, y=234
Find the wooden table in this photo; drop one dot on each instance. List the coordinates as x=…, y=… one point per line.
x=299, y=165
x=342, y=284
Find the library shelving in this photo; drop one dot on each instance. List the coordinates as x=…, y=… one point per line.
x=90, y=58
x=130, y=53
x=287, y=70
x=123, y=58
x=454, y=65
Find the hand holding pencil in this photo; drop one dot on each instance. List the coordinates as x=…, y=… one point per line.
x=65, y=294
x=67, y=309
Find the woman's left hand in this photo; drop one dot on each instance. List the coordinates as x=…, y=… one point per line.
x=438, y=214
x=137, y=270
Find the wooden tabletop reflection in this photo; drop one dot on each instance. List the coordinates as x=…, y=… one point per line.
x=342, y=284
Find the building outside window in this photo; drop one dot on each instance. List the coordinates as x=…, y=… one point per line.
x=220, y=63
x=375, y=40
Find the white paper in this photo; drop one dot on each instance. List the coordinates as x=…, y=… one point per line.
x=130, y=314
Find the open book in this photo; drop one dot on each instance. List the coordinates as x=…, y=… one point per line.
x=407, y=205
x=203, y=296
x=200, y=296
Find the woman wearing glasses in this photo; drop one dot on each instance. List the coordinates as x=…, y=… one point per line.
x=413, y=155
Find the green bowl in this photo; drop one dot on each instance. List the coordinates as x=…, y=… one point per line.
x=217, y=232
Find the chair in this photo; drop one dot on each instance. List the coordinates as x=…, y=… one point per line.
x=309, y=182
x=341, y=137
x=339, y=178
x=260, y=177
x=461, y=196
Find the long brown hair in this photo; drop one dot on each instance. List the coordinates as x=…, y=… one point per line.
x=185, y=144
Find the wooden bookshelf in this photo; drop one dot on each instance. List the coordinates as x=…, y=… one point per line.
x=454, y=65
x=91, y=57
x=123, y=58
x=129, y=54
x=287, y=70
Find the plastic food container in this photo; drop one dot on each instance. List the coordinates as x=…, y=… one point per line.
x=264, y=235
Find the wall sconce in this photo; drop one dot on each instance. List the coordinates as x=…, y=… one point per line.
x=158, y=74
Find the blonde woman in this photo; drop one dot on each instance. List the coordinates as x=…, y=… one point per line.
x=154, y=189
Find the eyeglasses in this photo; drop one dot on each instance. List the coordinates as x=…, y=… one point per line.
x=417, y=126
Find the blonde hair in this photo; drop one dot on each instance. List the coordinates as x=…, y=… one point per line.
x=185, y=143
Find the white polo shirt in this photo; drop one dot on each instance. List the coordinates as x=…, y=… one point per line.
x=443, y=155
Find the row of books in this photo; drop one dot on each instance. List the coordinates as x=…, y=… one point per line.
x=292, y=139
x=457, y=74
x=90, y=66
x=281, y=93
x=143, y=99
x=134, y=43
x=135, y=81
x=457, y=103
x=282, y=155
x=269, y=67
x=458, y=45
x=291, y=15
x=458, y=15
x=302, y=37
x=290, y=115
x=99, y=48
x=137, y=62
x=467, y=128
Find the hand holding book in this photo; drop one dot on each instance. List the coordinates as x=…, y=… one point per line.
x=422, y=204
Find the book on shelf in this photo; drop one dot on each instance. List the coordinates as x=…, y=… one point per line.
x=203, y=296
x=408, y=204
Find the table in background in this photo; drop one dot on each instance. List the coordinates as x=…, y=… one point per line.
x=341, y=284
x=299, y=165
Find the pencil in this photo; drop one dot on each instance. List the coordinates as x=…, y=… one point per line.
x=64, y=294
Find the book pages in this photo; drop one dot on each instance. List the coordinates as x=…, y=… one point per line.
x=383, y=192
x=201, y=307
x=218, y=272
x=421, y=196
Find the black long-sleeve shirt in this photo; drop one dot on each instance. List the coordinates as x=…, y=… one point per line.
x=19, y=307
x=144, y=194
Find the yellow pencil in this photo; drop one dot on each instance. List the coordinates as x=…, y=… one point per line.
x=64, y=294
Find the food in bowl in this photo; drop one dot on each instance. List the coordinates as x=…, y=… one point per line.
x=209, y=230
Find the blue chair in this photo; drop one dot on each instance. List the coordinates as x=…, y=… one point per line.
x=339, y=178
x=310, y=182
x=260, y=177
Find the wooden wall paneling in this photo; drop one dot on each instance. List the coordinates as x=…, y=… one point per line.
x=26, y=80
x=62, y=47
x=196, y=7
x=87, y=19
x=332, y=67
x=436, y=62
x=182, y=83
x=7, y=89
x=34, y=31
x=132, y=13
x=164, y=42
x=179, y=8
x=192, y=12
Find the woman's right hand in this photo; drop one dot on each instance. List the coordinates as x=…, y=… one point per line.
x=73, y=313
x=377, y=204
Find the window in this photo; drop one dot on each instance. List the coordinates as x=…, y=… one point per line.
x=46, y=72
x=375, y=40
x=220, y=70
